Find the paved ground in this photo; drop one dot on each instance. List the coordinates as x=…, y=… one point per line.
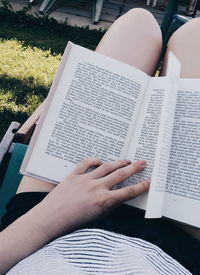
x=79, y=12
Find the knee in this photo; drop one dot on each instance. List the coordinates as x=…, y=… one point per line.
x=192, y=26
x=189, y=32
x=142, y=16
x=144, y=21
x=140, y=13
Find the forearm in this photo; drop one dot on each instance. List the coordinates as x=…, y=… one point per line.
x=79, y=198
x=23, y=237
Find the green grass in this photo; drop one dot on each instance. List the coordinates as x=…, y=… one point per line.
x=30, y=51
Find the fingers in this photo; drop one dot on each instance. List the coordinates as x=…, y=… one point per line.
x=110, y=173
x=131, y=191
x=122, y=174
x=85, y=164
x=107, y=168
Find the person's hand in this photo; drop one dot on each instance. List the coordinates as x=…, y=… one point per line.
x=79, y=198
x=83, y=196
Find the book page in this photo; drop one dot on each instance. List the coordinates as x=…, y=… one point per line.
x=158, y=181
x=144, y=140
x=47, y=102
x=156, y=196
x=182, y=200
x=152, y=138
x=92, y=114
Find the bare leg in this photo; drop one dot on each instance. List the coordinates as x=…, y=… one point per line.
x=28, y=184
x=135, y=39
x=185, y=44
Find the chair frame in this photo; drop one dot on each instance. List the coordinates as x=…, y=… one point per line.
x=48, y=6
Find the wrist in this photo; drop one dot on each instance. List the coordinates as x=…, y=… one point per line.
x=51, y=221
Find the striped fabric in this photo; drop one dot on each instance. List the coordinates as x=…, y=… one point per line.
x=95, y=251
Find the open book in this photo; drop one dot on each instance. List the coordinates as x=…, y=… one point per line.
x=100, y=107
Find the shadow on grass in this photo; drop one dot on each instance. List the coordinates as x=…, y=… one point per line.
x=44, y=33
x=20, y=89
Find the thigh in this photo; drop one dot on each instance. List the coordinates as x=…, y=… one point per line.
x=185, y=44
x=28, y=184
x=134, y=38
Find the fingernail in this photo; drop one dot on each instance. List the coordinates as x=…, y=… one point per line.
x=128, y=161
x=142, y=162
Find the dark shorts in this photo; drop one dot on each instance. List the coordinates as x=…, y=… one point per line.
x=128, y=221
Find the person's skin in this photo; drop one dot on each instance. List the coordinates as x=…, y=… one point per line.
x=134, y=38
x=79, y=198
x=185, y=44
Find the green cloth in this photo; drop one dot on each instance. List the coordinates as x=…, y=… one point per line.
x=12, y=177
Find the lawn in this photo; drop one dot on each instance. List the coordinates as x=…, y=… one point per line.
x=30, y=51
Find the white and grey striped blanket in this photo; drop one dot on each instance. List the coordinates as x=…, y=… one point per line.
x=96, y=252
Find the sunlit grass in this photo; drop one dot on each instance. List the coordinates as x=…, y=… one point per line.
x=26, y=75
x=30, y=52
x=33, y=66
